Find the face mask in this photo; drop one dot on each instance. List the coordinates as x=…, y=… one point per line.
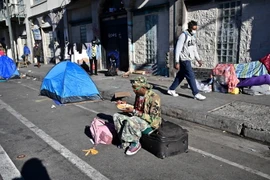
x=193, y=31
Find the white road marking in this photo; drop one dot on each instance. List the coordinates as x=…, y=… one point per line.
x=29, y=87
x=41, y=100
x=250, y=170
x=7, y=168
x=90, y=110
x=106, y=78
x=74, y=159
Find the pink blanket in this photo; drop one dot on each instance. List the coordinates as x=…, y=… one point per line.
x=228, y=71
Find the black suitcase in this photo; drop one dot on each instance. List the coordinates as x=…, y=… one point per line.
x=168, y=140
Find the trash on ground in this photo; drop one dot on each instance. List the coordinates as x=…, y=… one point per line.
x=53, y=106
x=92, y=151
x=21, y=156
x=29, y=70
x=35, y=79
x=139, y=72
x=91, y=140
x=126, y=74
x=253, y=150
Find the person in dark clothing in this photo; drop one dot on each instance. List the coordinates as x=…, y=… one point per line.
x=37, y=53
x=85, y=67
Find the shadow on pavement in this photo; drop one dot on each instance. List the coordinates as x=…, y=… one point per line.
x=33, y=169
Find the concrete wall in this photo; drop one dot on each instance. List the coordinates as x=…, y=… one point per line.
x=139, y=36
x=33, y=10
x=205, y=15
x=254, y=34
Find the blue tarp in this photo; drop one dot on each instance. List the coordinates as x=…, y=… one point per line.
x=7, y=68
x=67, y=82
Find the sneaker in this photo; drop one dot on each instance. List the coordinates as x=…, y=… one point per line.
x=133, y=149
x=199, y=97
x=173, y=93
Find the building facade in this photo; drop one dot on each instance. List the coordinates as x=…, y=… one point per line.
x=12, y=27
x=45, y=26
x=230, y=31
x=140, y=31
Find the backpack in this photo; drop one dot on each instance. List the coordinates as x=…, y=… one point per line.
x=111, y=72
x=101, y=131
x=186, y=36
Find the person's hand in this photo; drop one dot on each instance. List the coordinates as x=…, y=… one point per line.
x=200, y=63
x=121, y=102
x=128, y=110
x=177, y=66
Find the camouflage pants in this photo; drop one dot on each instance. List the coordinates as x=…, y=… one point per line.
x=128, y=128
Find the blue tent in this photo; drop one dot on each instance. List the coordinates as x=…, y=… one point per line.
x=8, y=68
x=67, y=82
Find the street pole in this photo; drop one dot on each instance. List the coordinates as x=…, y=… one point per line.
x=10, y=31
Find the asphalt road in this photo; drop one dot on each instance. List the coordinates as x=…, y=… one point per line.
x=51, y=141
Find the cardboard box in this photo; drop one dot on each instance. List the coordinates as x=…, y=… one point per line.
x=122, y=94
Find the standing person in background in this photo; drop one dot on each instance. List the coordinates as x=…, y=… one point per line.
x=26, y=52
x=37, y=53
x=93, y=58
x=186, y=51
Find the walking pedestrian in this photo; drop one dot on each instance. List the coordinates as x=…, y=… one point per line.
x=37, y=53
x=26, y=52
x=186, y=51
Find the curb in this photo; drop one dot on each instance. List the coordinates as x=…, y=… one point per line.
x=222, y=123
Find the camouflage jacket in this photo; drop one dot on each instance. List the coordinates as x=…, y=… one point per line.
x=151, y=108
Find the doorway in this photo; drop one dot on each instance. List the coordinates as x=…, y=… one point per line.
x=114, y=38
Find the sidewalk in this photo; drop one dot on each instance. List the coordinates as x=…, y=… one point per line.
x=244, y=115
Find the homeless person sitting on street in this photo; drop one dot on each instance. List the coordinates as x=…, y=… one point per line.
x=143, y=119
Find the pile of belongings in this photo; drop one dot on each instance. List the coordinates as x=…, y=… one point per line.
x=252, y=78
